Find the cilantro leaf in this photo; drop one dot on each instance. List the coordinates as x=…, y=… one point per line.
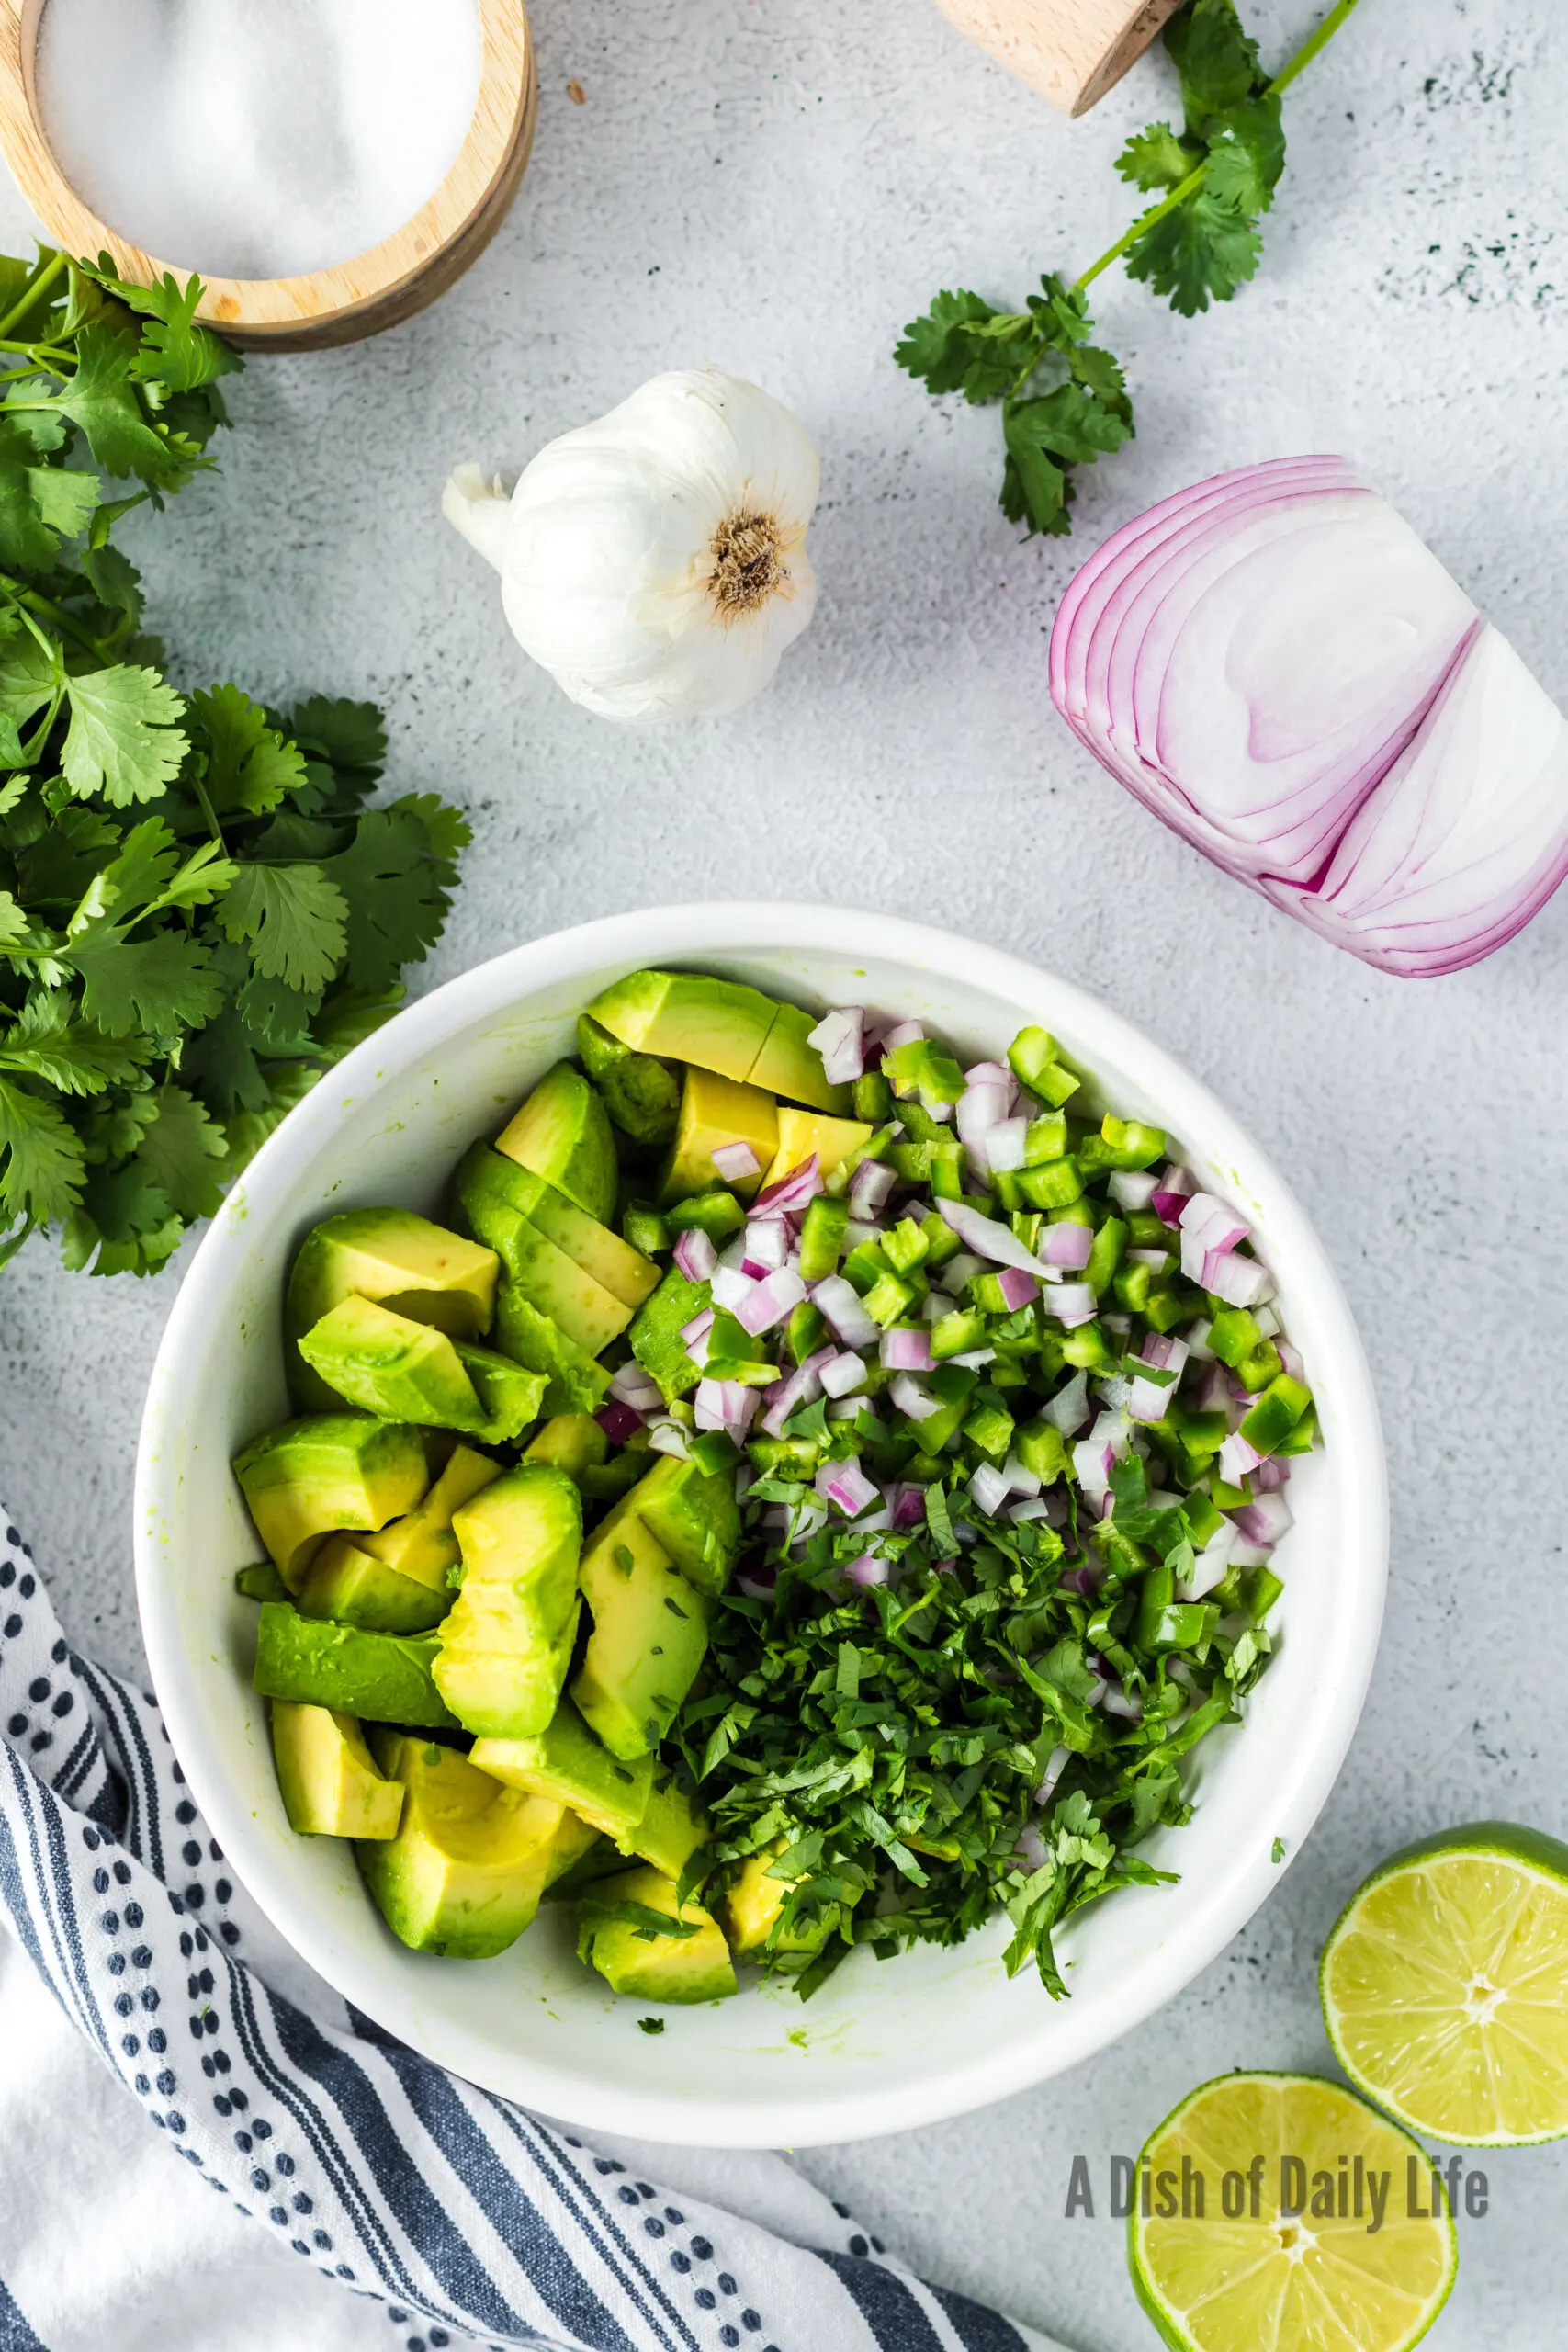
x=1202, y=252
x=183, y=1149
x=162, y=985
x=45, y=1041
x=250, y=766
x=99, y=399
x=1155, y=158
x=174, y=351
x=123, y=742
x=350, y=736
x=42, y=1162
x=1216, y=60
x=294, y=921
x=938, y=348
x=397, y=891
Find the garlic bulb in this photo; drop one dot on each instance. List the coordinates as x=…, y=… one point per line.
x=655, y=563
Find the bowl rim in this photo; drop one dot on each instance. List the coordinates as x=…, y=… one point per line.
x=693, y=933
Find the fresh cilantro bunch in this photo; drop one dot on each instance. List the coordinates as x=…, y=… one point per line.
x=1064, y=400
x=198, y=910
x=893, y=1739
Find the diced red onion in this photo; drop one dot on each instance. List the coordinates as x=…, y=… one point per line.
x=1271, y=1475
x=802, y=1386
x=959, y=1270
x=903, y=1033
x=842, y=1375
x=1198, y=1346
x=870, y=1186
x=1018, y=1289
x=859, y=1229
x=735, y=1162
x=1092, y=1459
x=731, y=1288
x=1290, y=1360
x=990, y=1074
x=990, y=1489
x=1132, y=1188
x=669, y=1437
x=1031, y=1507
x=845, y=1484
x=988, y=1238
x=757, y=1581
x=1248, y=1555
x=1214, y=1391
x=794, y=1193
x=914, y=1401
x=1149, y=1400
x=973, y=1357
x=838, y=1037
x=1174, y=1188
x=984, y=1105
x=1056, y=1765
x=725, y=1405
x=631, y=1385
x=1120, y=1703
x=840, y=1303
x=770, y=1302
x=1210, y=1566
x=1068, y=1409
x=1266, y=1519
x=908, y=1505
x=618, y=1422
x=1021, y=1480
x=1071, y=1304
x=1005, y=1145
x=869, y=1569
x=695, y=1254
x=1067, y=1244
x=767, y=1243
x=906, y=1351
x=1240, y=1281
x=1030, y=1851
x=1236, y=1457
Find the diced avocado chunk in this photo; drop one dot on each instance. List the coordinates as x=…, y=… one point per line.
x=563, y=1134
x=566, y=1763
x=577, y=1382
x=328, y=1777
x=400, y=1259
x=491, y=1191
x=715, y=1112
x=694, y=1516
x=353, y=1587
x=494, y=1195
x=618, y=1934
x=649, y=1640
x=574, y=1441
x=422, y=1544
x=801, y=1133
x=323, y=1472
x=506, y=1646
x=671, y=1828
x=642, y=1095
x=790, y=1064
x=261, y=1582
x=688, y=1017
x=409, y=1372
x=380, y=1677
x=656, y=1334
x=752, y=1909
x=464, y=1875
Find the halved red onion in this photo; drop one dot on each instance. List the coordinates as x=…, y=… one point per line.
x=1275, y=665
x=838, y=1037
x=839, y=1302
x=619, y=1420
x=793, y=1193
x=695, y=1254
x=902, y=1349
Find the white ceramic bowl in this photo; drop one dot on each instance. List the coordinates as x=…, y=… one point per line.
x=884, y=2046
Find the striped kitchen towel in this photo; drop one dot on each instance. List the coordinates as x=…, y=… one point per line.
x=296, y=2176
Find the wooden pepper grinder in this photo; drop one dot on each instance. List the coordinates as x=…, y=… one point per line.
x=1071, y=50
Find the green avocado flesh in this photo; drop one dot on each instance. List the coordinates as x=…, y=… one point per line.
x=631, y=1955
x=574, y=1441
x=649, y=1640
x=566, y=1763
x=642, y=1096
x=357, y=1588
x=656, y=1334
x=515, y=1212
x=696, y=1517
x=506, y=1646
x=562, y=1133
x=422, y=1544
x=671, y=1829
x=470, y=1860
x=409, y=1372
x=380, y=1677
x=324, y=1471
x=399, y=1259
x=330, y=1785
x=723, y=1026
x=577, y=1381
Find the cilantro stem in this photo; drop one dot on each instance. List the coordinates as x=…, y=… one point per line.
x=30, y=293
x=1312, y=48
x=198, y=785
x=28, y=601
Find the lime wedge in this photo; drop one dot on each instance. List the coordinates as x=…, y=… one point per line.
x=1277, y=2281
x=1445, y=1986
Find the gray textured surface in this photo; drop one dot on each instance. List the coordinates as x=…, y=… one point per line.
x=778, y=189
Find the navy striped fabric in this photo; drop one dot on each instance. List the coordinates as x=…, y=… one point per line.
x=375, y=2166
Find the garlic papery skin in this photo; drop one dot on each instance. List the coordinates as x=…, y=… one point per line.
x=655, y=561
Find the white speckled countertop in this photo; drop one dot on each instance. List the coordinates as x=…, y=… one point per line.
x=778, y=188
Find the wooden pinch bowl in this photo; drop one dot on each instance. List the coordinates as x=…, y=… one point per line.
x=324, y=307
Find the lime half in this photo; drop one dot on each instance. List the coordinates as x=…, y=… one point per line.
x=1355, y=2270
x=1445, y=1986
